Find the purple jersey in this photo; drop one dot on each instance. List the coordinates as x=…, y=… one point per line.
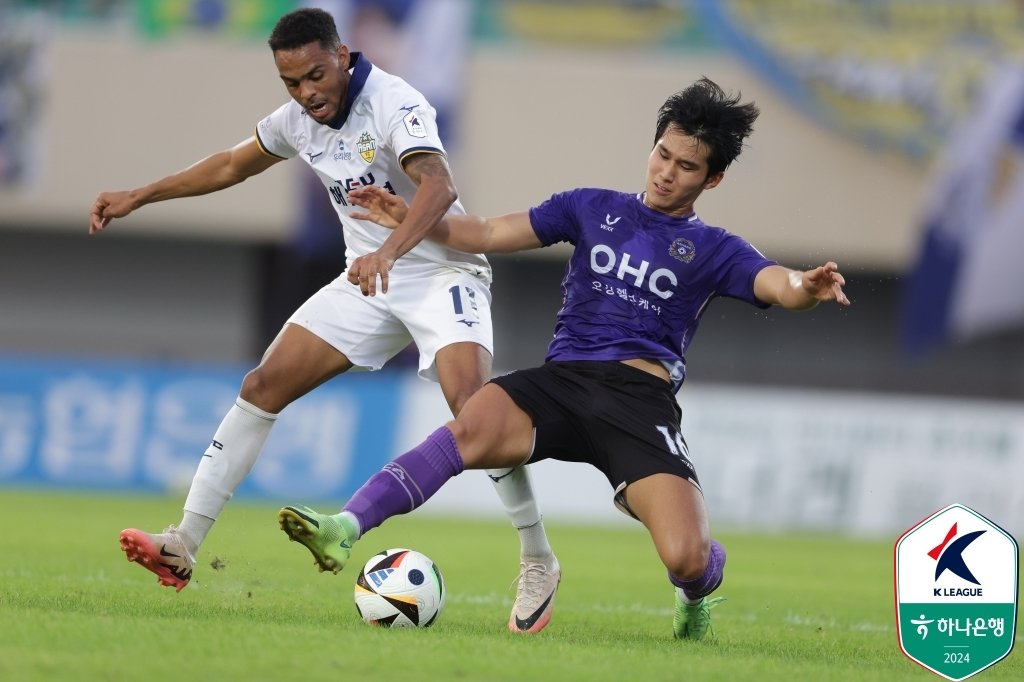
x=639, y=280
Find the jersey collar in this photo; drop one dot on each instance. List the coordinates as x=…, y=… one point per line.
x=360, y=72
x=672, y=220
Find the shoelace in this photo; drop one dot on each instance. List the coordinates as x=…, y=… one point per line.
x=531, y=580
x=705, y=611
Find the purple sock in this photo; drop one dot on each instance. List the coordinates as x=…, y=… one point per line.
x=709, y=581
x=407, y=481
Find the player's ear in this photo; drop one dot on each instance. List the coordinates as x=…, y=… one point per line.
x=343, y=57
x=713, y=180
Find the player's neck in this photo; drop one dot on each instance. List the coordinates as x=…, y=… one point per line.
x=684, y=211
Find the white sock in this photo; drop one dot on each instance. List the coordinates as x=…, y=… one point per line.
x=193, y=529
x=686, y=600
x=229, y=459
x=516, y=493
x=351, y=518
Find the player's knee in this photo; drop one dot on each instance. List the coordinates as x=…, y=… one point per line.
x=257, y=389
x=476, y=449
x=464, y=435
x=687, y=559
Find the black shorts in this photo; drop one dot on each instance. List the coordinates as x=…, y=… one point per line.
x=619, y=418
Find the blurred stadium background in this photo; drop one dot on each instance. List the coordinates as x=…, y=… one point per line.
x=891, y=141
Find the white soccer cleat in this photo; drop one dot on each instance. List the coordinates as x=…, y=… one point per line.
x=535, y=595
x=164, y=554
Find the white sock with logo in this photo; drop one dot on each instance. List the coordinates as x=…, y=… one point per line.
x=516, y=493
x=235, y=447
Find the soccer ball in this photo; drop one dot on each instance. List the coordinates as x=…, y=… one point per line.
x=400, y=588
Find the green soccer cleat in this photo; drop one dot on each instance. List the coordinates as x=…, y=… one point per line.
x=692, y=621
x=326, y=537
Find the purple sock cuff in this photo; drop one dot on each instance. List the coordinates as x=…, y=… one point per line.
x=444, y=456
x=709, y=581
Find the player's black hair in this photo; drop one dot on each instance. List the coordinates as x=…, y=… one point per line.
x=714, y=118
x=304, y=26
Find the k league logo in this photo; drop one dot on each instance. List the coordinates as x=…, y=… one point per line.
x=956, y=576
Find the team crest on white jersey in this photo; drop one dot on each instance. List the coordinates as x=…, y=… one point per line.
x=367, y=147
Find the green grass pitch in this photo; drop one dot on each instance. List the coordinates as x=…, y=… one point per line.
x=799, y=607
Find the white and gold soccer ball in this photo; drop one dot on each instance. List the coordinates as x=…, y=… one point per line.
x=400, y=588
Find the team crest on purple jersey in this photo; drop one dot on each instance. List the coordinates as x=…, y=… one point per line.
x=682, y=249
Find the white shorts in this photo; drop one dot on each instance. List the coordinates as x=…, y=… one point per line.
x=431, y=310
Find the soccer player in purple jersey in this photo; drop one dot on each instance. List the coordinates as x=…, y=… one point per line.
x=643, y=272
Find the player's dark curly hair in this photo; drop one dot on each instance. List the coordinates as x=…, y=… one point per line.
x=714, y=118
x=304, y=26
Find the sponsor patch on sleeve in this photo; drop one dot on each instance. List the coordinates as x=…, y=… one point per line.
x=414, y=124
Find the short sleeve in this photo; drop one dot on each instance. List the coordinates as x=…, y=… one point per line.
x=273, y=134
x=411, y=123
x=555, y=220
x=737, y=263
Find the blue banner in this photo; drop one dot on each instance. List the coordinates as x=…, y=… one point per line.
x=144, y=427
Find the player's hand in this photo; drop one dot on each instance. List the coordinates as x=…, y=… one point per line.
x=109, y=205
x=825, y=283
x=365, y=270
x=380, y=206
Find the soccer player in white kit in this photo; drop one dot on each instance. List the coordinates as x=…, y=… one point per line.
x=354, y=125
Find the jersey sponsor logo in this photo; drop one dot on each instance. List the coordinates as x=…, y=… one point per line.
x=413, y=122
x=339, y=191
x=313, y=157
x=366, y=145
x=342, y=154
x=682, y=250
x=609, y=222
x=603, y=260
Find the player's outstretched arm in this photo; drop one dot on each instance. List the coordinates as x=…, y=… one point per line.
x=435, y=194
x=215, y=172
x=468, y=233
x=800, y=290
x=379, y=206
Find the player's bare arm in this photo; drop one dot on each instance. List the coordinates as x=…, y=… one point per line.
x=800, y=290
x=379, y=206
x=215, y=172
x=435, y=193
x=469, y=233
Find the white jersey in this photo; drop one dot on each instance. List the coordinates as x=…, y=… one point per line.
x=383, y=121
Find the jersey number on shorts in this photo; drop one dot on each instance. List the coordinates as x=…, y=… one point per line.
x=674, y=441
x=457, y=306
x=456, y=299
